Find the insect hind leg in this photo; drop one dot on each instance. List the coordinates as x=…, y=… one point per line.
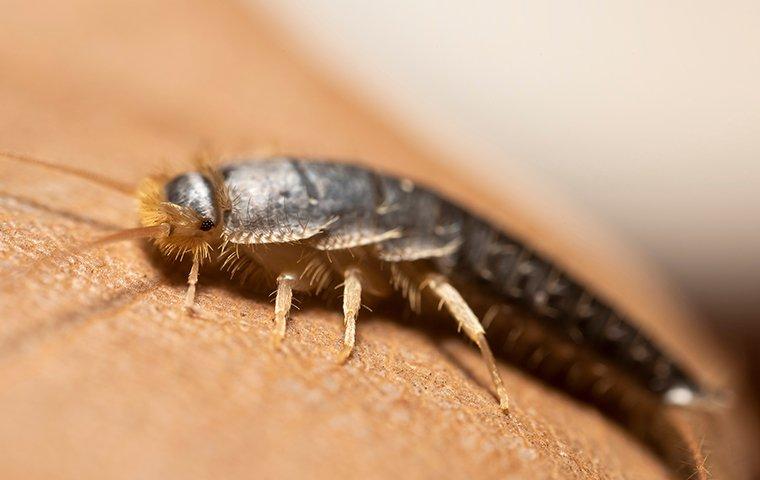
x=469, y=323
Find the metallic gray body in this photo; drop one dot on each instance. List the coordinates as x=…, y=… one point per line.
x=331, y=206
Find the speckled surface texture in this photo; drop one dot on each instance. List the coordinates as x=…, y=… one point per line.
x=117, y=372
x=102, y=376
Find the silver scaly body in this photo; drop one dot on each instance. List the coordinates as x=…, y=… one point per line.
x=331, y=207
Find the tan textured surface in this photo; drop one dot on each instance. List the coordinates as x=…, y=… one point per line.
x=101, y=377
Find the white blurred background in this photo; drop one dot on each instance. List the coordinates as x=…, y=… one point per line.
x=645, y=114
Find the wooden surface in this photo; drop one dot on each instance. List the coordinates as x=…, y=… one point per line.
x=101, y=376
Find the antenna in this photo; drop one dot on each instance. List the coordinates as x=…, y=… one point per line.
x=83, y=174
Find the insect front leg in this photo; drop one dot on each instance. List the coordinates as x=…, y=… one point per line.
x=352, y=292
x=458, y=308
x=282, y=304
x=192, y=280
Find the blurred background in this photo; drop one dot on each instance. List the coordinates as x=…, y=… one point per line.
x=612, y=125
x=643, y=115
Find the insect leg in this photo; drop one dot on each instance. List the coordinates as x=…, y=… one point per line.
x=352, y=292
x=458, y=308
x=192, y=280
x=282, y=306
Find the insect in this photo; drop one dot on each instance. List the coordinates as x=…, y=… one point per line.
x=310, y=226
x=304, y=226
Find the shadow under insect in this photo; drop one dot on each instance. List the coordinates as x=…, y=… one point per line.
x=516, y=337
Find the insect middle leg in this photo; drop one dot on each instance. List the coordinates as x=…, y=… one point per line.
x=457, y=306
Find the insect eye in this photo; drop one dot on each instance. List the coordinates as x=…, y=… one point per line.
x=207, y=225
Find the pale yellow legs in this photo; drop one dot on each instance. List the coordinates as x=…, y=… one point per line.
x=352, y=293
x=352, y=290
x=282, y=306
x=468, y=322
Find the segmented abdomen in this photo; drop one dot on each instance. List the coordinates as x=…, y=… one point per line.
x=523, y=276
x=336, y=206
